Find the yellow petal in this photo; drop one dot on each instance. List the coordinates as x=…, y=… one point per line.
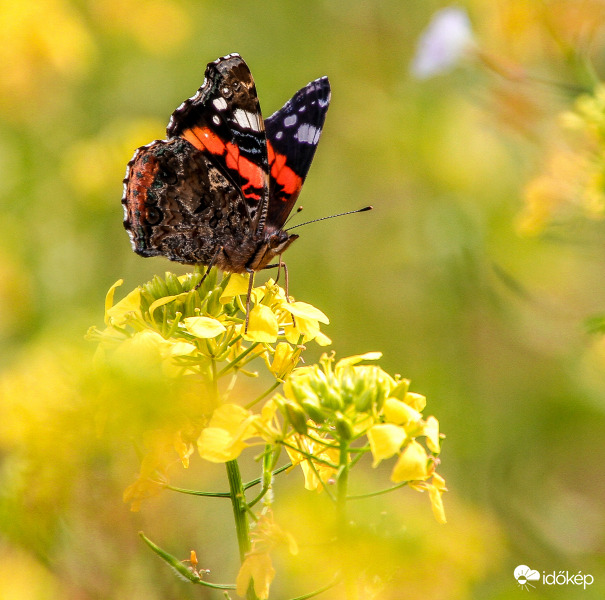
x=416, y=401
x=322, y=339
x=412, y=464
x=399, y=412
x=218, y=445
x=182, y=349
x=353, y=360
x=224, y=438
x=309, y=328
x=431, y=430
x=435, y=494
x=284, y=360
x=262, y=325
x=131, y=303
x=166, y=300
x=145, y=349
x=109, y=297
x=305, y=310
x=236, y=286
x=385, y=441
x=203, y=327
x=258, y=567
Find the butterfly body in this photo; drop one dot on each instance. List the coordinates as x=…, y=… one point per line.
x=219, y=189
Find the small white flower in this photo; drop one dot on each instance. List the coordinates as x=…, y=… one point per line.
x=443, y=43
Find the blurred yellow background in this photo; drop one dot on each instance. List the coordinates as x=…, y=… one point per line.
x=474, y=293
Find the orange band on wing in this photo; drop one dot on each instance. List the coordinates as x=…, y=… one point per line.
x=204, y=139
x=142, y=175
x=282, y=174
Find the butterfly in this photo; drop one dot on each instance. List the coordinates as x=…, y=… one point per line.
x=219, y=189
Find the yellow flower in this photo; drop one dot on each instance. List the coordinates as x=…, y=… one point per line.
x=435, y=488
x=385, y=441
x=258, y=566
x=284, y=360
x=224, y=438
x=153, y=473
x=140, y=490
x=317, y=474
x=412, y=464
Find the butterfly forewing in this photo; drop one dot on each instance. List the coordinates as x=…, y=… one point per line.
x=292, y=136
x=223, y=120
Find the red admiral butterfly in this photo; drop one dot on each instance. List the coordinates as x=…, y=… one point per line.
x=219, y=189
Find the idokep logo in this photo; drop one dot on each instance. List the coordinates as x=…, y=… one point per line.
x=524, y=576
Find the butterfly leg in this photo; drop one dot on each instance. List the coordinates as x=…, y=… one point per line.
x=210, y=265
x=279, y=265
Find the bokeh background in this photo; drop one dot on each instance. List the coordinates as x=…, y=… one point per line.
x=475, y=275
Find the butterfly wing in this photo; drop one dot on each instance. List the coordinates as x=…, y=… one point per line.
x=223, y=121
x=292, y=136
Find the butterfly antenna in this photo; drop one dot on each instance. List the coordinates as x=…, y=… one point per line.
x=349, y=212
x=293, y=214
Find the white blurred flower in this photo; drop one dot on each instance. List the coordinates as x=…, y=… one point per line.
x=443, y=43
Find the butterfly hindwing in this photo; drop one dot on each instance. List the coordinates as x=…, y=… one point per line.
x=223, y=120
x=292, y=136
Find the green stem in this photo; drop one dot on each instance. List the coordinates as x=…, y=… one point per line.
x=342, y=484
x=236, y=360
x=263, y=395
x=378, y=493
x=242, y=529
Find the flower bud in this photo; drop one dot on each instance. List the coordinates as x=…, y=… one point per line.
x=401, y=389
x=192, y=302
x=296, y=416
x=213, y=305
x=314, y=410
x=330, y=399
x=173, y=284
x=158, y=288
x=343, y=427
x=363, y=402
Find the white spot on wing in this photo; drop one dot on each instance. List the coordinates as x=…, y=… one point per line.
x=279, y=135
x=247, y=120
x=291, y=120
x=220, y=103
x=308, y=134
x=216, y=120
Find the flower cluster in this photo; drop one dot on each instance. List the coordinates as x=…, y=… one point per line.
x=192, y=336
x=573, y=179
x=186, y=329
x=331, y=405
x=179, y=342
x=327, y=407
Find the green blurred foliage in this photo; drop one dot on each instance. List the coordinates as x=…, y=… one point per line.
x=488, y=323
